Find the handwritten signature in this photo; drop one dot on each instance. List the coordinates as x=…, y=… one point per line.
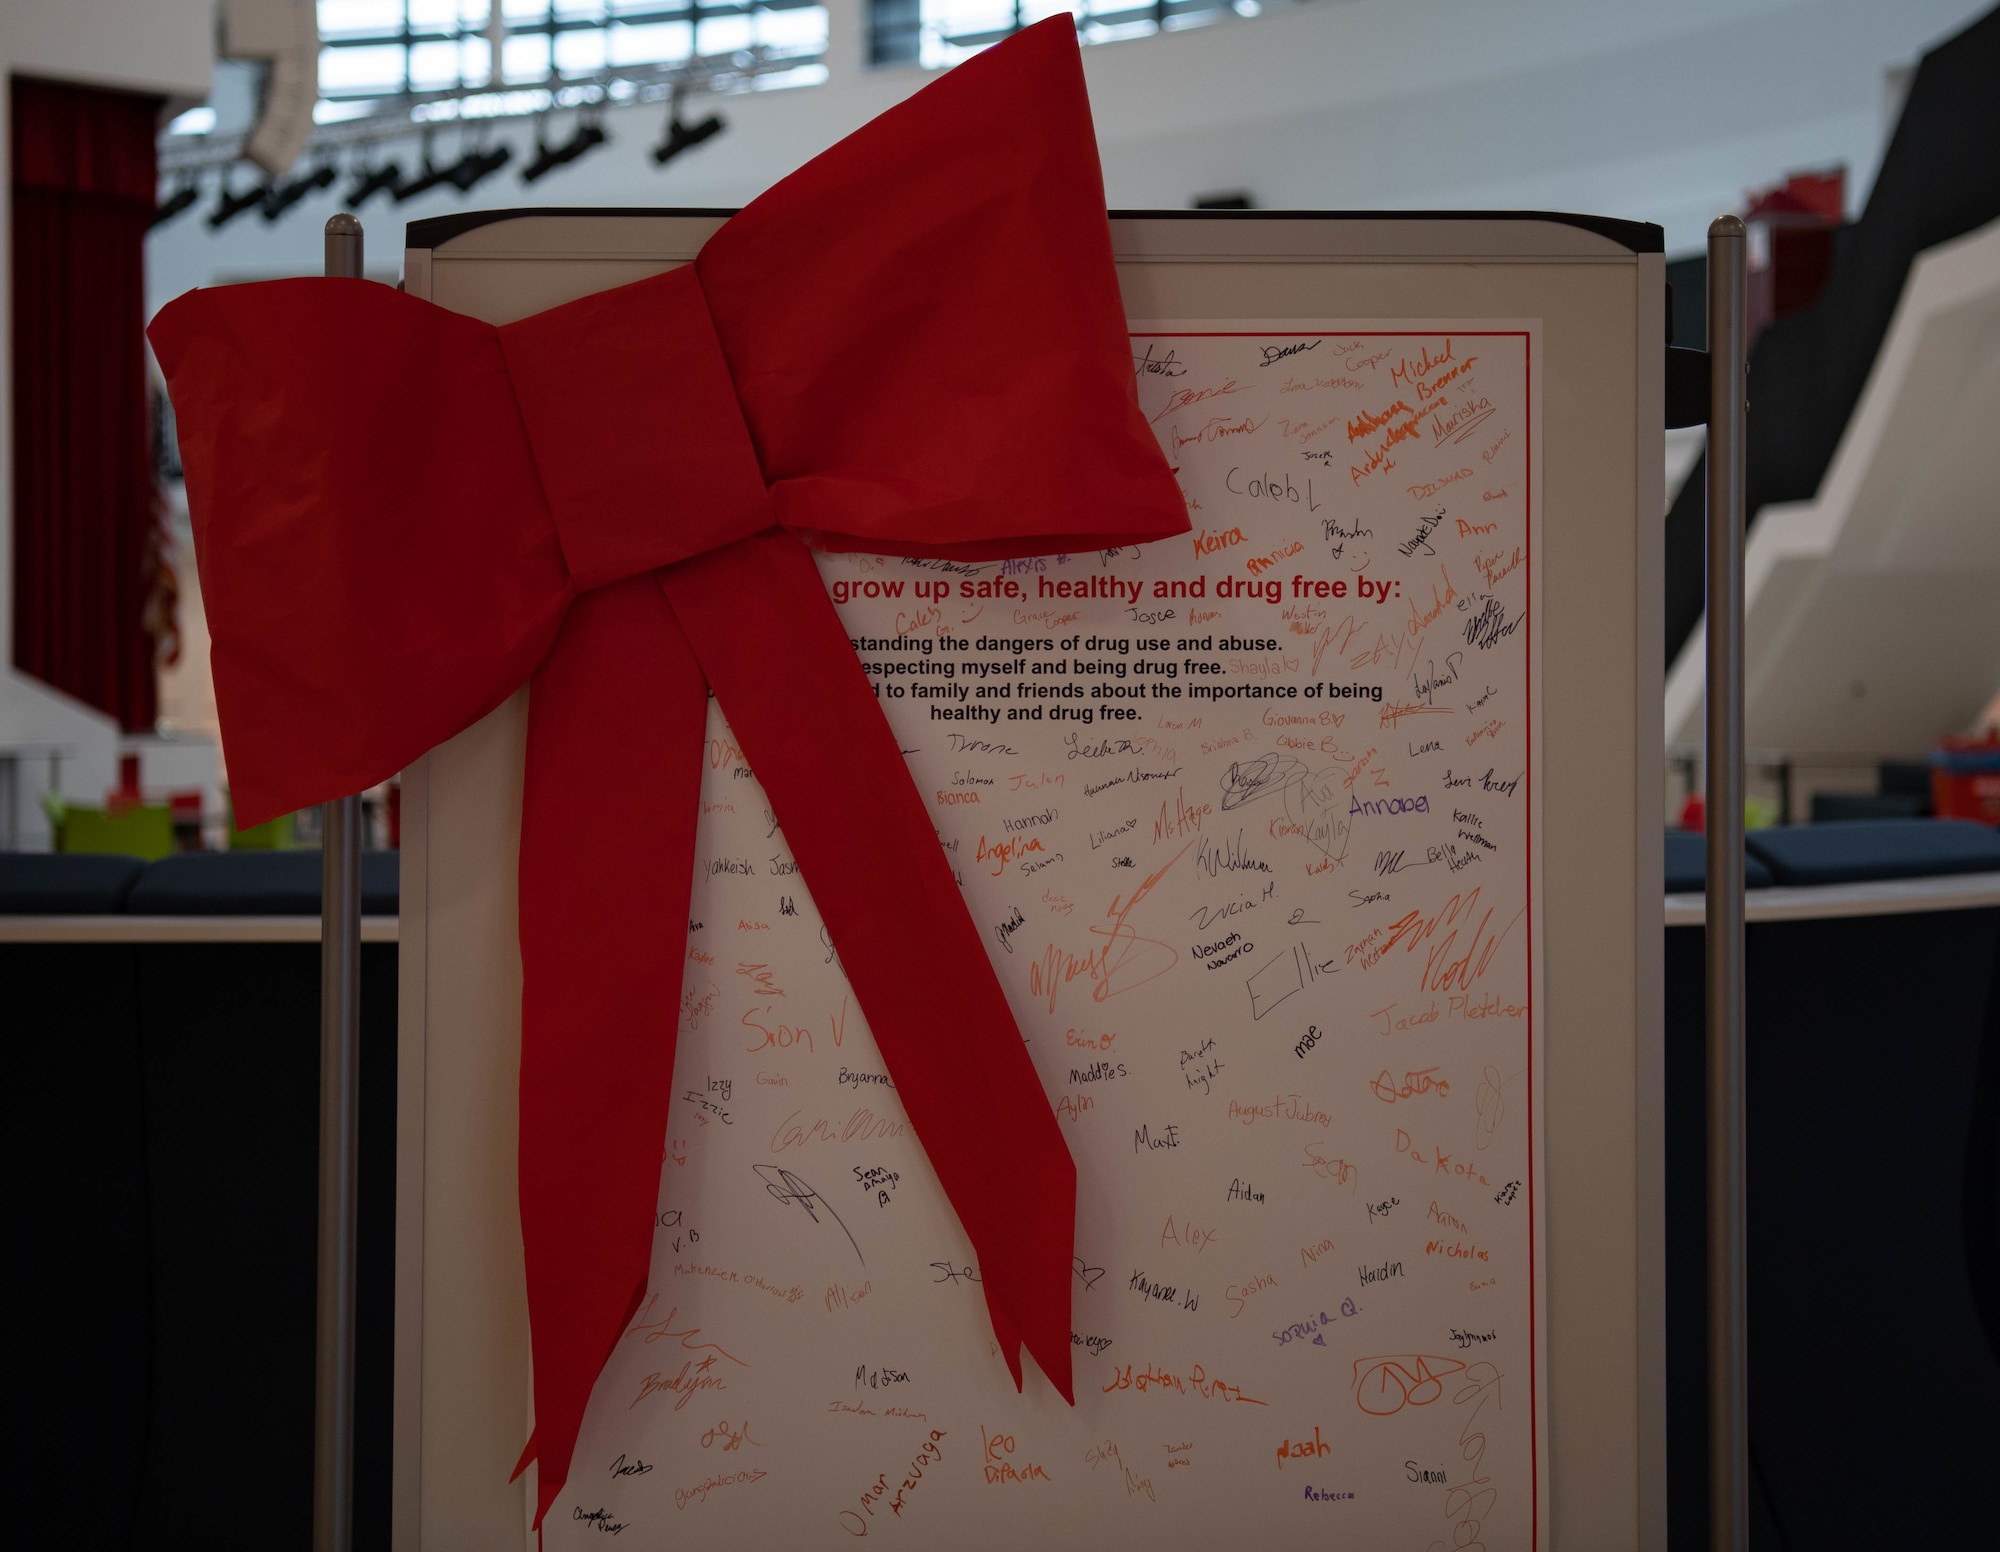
x=1384, y=1386
x=662, y=1330
x=1126, y=959
x=729, y=1438
x=1312, y=799
x=784, y=1186
x=1471, y=1501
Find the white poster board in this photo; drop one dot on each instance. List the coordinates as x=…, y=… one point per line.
x=1260, y=827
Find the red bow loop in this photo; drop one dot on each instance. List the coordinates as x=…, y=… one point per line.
x=969, y=393
x=377, y=564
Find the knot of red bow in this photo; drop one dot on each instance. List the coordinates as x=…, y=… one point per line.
x=912, y=346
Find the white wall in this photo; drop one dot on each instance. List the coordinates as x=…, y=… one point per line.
x=162, y=46
x=1654, y=111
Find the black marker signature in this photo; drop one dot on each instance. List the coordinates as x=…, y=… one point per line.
x=1276, y=353
x=784, y=1186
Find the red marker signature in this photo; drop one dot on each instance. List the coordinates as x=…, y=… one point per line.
x=1124, y=961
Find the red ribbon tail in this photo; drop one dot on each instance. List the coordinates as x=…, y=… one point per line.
x=615, y=724
x=1047, y=1263
x=808, y=721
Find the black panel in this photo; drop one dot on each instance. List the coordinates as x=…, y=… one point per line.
x=1982, y=1176
x=1871, y=1125
x=79, y=1348
x=1687, y=279
x=231, y=1052
x=1688, y=386
x=1635, y=236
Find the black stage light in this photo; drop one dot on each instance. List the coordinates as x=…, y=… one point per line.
x=230, y=206
x=370, y=181
x=681, y=136
x=426, y=180
x=476, y=166
x=281, y=197
x=544, y=159
x=176, y=202
x=548, y=158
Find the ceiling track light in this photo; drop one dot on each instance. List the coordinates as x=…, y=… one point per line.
x=426, y=180
x=544, y=161
x=176, y=203
x=230, y=206
x=589, y=134
x=681, y=136
x=370, y=181
x=281, y=197
x=476, y=166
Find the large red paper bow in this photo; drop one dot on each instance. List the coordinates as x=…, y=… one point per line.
x=914, y=345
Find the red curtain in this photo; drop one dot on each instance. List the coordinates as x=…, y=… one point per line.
x=87, y=557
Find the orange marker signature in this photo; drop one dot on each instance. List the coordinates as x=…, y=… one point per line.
x=1116, y=967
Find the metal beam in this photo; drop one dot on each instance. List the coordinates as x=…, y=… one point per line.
x=339, y=1099
x=1728, y=1388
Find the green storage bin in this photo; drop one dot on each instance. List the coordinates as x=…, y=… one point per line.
x=138, y=831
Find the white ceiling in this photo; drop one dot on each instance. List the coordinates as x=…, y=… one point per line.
x=1652, y=111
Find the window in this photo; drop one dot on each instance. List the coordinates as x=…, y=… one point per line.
x=372, y=49
x=942, y=32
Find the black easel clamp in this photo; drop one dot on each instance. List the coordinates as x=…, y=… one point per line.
x=1687, y=388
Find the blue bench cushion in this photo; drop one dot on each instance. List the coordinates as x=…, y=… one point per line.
x=1840, y=807
x=65, y=883
x=1687, y=865
x=254, y=883
x=1861, y=850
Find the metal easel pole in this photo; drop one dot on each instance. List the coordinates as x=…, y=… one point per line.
x=339, y=1097
x=1728, y=1376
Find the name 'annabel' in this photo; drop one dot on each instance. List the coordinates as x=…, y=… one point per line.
x=1420, y=804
